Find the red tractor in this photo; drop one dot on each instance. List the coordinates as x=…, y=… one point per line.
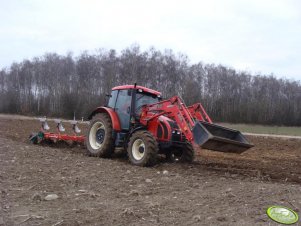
x=138, y=120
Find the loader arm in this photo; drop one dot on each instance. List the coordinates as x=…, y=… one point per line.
x=196, y=125
x=173, y=108
x=198, y=113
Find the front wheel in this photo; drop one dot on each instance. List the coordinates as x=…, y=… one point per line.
x=143, y=148
x=183, y=154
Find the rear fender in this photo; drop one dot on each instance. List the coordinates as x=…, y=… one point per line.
x=113, y=115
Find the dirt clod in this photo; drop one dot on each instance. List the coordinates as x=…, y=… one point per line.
x=51, y=197
x=197, y=218
x=37, y=197
x=165, y=172
x=222, y=219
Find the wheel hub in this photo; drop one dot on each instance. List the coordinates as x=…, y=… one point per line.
x=141, y=149
x=100, y=135
x=176, y=155
x=138, y=149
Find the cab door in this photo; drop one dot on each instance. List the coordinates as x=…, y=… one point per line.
x=123, y=108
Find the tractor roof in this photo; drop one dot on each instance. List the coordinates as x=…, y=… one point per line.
x=144, y=89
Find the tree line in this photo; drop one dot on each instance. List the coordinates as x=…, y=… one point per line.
x=61, y=85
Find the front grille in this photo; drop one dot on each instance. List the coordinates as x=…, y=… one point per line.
x=175, y=136
x=173, y=125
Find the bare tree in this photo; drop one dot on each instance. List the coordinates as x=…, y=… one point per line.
x=59, y=85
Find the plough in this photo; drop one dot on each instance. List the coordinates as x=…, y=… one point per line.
x=44, y=135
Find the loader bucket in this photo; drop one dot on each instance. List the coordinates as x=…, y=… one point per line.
x=219, y=138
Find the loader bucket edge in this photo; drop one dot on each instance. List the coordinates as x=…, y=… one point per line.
x=218, y=138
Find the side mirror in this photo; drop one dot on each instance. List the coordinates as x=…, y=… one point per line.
x=107, y=98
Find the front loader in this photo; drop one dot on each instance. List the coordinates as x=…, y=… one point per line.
x=139, y=121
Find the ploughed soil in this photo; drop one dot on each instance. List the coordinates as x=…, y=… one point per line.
x=216, y=189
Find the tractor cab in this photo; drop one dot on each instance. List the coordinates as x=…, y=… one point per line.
x=127, y=101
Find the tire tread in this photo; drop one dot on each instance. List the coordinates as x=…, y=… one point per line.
x=108, y=146
x=152, y=148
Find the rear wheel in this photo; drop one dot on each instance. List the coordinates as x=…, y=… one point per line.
x=99, y=139
x=181, y=154
x=142, y=148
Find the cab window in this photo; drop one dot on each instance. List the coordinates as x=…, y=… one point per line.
x=144, y=99
x=123, y=108
x=112, y=100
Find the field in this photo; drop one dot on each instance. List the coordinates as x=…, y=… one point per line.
x=216, y=189
x=278, y=130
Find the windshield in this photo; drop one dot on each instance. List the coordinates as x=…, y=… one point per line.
x=143, y=99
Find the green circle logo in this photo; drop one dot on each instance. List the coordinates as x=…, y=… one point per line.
x=282, y=214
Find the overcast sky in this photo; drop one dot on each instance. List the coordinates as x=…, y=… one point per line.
x=260, y=36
